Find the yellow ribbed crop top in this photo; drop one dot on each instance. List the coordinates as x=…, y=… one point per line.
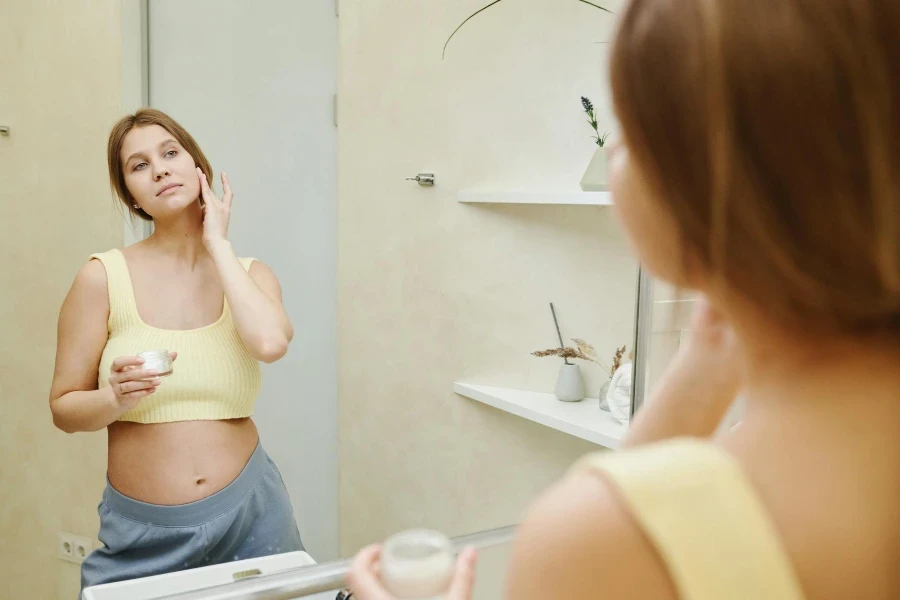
x=696, y=506
x=214, y=376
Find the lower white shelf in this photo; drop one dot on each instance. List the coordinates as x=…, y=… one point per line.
x=582, y=419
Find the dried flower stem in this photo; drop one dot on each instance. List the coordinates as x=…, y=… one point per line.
x=617, y=359
x=555, y=322
x=567, y=353
x=584, y=351
x=589, y=351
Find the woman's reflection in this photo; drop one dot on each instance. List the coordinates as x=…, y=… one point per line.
x=188, y=481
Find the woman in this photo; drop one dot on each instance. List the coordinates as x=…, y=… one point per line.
x=757, y=164
x=188, y=483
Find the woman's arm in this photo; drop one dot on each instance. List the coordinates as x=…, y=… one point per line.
x=254, y=297
x=255, y=300
x=75, y=401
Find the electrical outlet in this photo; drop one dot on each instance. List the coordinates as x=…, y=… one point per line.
x=65, y=546
x=81, y=549
x=72, y=548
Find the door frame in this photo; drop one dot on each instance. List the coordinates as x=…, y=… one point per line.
x=135, y=86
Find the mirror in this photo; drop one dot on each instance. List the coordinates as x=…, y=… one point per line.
x=411, y=395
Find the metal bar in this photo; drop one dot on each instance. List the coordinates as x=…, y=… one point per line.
x=643, y=328
x=485, y=539
x=315, y=579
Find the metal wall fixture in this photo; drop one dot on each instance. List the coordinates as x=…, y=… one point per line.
x=425, y=179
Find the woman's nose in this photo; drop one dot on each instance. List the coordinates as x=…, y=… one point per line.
x=160, y=171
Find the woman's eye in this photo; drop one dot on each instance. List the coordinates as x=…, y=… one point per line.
x=171, y=153
x=140, y=166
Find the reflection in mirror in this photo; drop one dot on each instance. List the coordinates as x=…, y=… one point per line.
x=352, y=353
x=670, y=313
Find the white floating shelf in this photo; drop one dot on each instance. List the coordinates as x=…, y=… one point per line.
x=570, y=197
x=582, y=419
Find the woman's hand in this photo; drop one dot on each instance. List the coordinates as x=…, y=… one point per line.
x=130, y=383
x=216, y=213
x=698, y=386
x=365, y=584
x=710, y=357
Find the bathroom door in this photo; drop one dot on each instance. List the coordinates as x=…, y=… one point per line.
x=254, y=83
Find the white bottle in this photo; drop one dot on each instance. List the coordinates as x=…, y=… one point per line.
x=417, y=565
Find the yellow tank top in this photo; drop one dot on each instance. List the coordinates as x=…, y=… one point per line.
x=214, y=376
x=704, y=518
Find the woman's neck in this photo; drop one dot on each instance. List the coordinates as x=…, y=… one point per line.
x=824, y=385
x=181, y=238
x=837, y=393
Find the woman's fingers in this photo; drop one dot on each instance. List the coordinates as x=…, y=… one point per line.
x=135, y=375
x=227, y=196
x=127, y=387
x=135, y=396
x=205, y=191
x=464, y=576
x=363, y=576
x=123, y=362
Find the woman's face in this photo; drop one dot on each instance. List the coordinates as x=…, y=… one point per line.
x=650, y=229
x=159, y=173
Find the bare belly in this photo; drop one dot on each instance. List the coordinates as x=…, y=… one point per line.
x=177, y=463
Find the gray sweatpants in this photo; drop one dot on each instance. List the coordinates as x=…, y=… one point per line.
x=250, y=518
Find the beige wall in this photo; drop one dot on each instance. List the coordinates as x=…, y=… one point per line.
x=432, y=291
x=60, y=91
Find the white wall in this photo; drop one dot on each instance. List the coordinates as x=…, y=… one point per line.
x=253, y=83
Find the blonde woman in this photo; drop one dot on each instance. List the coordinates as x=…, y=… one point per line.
x=758, y=163
x=188, y=483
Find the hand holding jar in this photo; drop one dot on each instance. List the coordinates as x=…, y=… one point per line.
x=133, y=378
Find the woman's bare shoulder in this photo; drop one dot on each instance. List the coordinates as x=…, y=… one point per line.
x=579, y=540
x=137, y=250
